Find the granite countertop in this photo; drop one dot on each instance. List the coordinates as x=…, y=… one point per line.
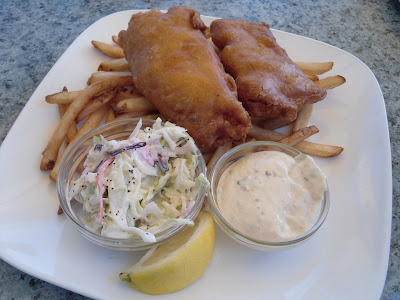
x=35, y=33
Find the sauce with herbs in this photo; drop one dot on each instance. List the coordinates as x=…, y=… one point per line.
x=271, y=196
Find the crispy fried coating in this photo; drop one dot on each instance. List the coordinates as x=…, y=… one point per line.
x=176, y=68
x=269, y=83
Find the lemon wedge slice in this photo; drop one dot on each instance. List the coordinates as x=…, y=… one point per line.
x=177, y=263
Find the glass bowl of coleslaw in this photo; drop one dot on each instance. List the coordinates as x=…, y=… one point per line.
x=132, y=183
x=268, y=196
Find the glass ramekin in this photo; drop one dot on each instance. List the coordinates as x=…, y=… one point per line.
x=69, y=170
x=215, y=174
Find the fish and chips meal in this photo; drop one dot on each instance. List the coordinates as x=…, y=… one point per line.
x=226, y=85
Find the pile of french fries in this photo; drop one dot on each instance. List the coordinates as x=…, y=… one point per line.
x=110, y=95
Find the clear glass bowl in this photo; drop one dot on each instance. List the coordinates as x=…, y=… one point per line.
x=215, y=174
x=69, y=171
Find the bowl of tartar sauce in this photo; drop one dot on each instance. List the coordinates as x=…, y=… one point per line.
x=268, y=196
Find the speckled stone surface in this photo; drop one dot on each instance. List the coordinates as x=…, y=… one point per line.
x=35, y=33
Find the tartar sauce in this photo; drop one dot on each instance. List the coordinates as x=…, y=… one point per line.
x=271, y=196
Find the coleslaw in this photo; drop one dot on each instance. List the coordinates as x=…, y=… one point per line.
x=139, y=186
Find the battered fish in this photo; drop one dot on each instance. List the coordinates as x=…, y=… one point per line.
x=269, y=83
x=176, y=68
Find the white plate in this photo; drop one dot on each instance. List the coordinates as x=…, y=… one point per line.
x=347, y=258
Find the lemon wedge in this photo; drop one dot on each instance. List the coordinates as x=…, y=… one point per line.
x=177, y=263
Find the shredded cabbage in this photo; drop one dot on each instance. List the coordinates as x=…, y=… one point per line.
x=139, y=198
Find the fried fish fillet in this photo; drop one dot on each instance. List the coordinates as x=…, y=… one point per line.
x=176, y=68
x=269, y=83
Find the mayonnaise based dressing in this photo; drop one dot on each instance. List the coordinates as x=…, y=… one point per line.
x=271, y=196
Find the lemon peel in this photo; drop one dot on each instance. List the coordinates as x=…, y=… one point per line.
x=177, y=263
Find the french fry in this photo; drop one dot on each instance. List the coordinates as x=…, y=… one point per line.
x=119, y=64
x=62, y=108
x=263, y=134
x=135, y=103
x=51, y=151
x=315, y=68
x=134, y=114
x=299, y=136
x=98, y=102
x=309, y=148
x=119, y=97
x=319, y=150
x=99, y=76
x=274, y=123
x=109, y=50
x=122, y=96
x=62, y=97
x=331, y=82
x=115, y=39
x=91, y=123
x=312, y=77
x=152, y=117
x=303, y=117
x=217, y=155
x=247, y=140
x=110, y=115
